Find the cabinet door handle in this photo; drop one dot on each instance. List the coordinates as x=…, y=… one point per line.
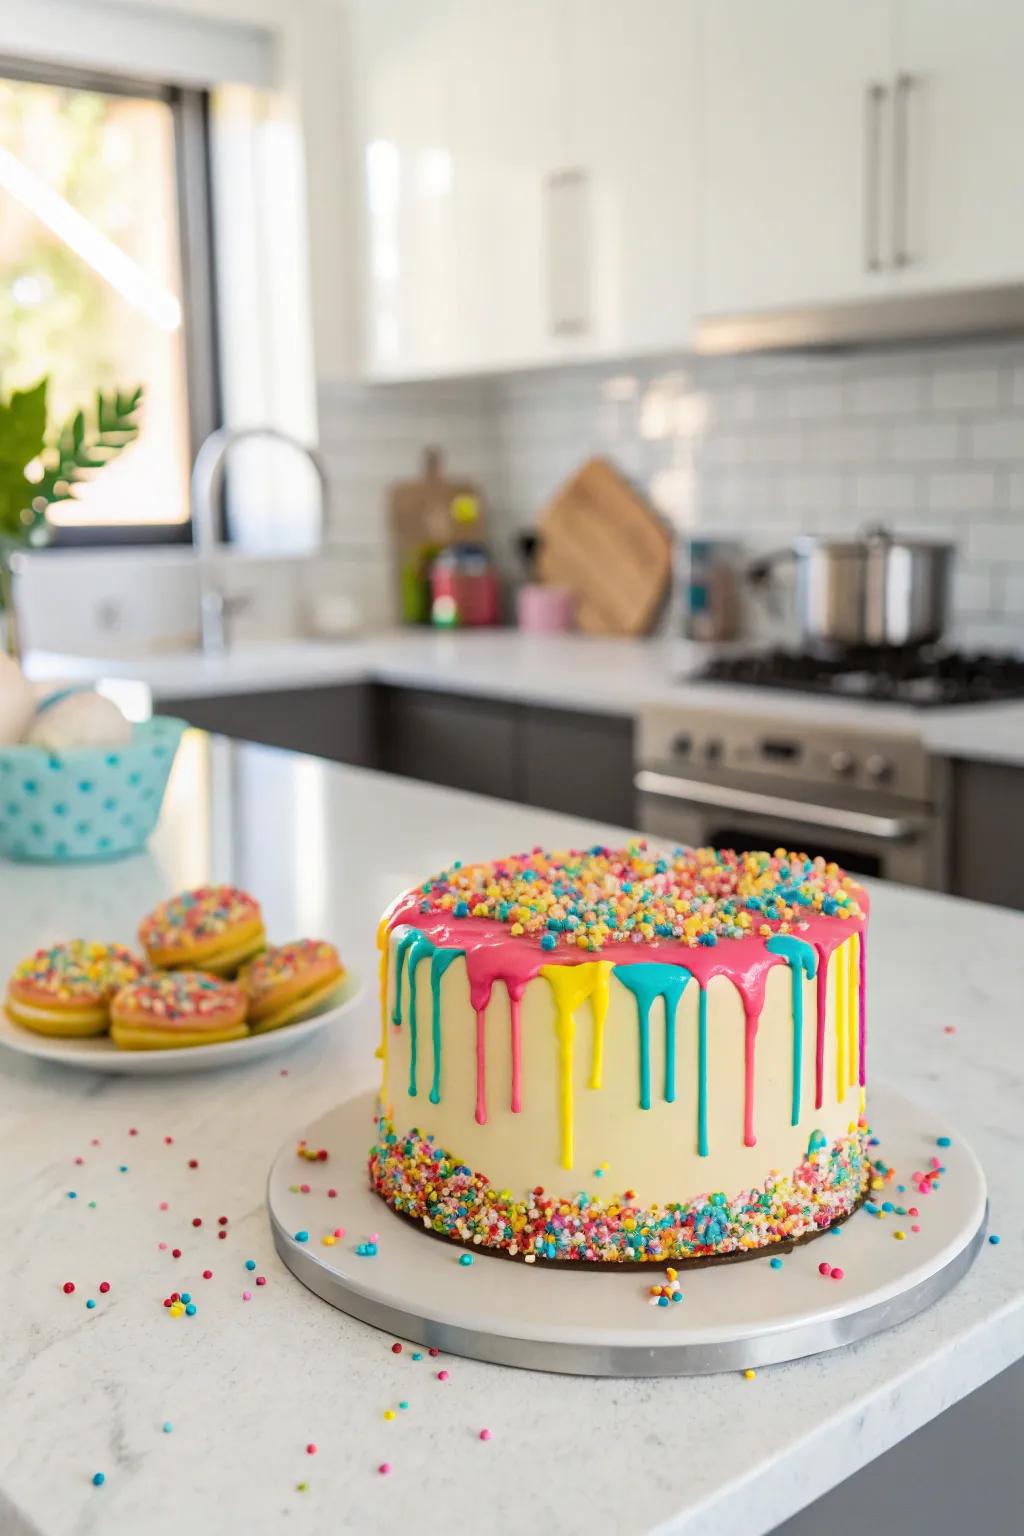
x=900, y=168
x=874, y=105
x=568, y=242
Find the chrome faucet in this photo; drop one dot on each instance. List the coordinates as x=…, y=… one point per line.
x=215, y=606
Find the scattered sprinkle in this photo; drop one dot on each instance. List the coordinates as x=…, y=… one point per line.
x=943, y=1141
x=311, y=1449
x=250, y=1263
x=98, y=1479
x=465, y=1259
x=384, y=1468
x=389, y=1413
x=775, y=1263
x=302, y=1237
x=993, y=1239
x=396, y=1348
x=261, y=1279
x=485, y=1434
x=442, y=1375
x=207, y=1274
x=69, y=1286
x=749, y=1375
x=104, y=1286
x=247, y=1295
x=167, y=1427
x=90, y=1303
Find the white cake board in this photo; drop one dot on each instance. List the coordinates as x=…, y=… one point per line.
x=733, y=1316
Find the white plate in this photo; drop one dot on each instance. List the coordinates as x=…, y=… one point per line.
x=100, y=1054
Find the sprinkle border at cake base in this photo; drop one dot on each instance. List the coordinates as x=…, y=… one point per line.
x=429, y=1186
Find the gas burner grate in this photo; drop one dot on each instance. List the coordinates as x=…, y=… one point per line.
x=921, y=679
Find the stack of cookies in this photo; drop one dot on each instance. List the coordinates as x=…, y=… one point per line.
x=208, y=975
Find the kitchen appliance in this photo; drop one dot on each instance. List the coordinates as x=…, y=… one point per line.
x=879, y=590
x=920, y=678
x=603, y=541
x=872, y=799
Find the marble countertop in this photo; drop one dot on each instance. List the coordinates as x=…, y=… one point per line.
x=562, y=671
x=247, y=1386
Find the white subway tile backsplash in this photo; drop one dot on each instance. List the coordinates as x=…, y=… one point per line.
x=961, y=491
x=926, y=442
x=999, y=437
x=885, y=492
x=930, y=439
x=965, y=389
x=883, y=394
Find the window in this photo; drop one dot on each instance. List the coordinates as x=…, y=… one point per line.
x=106, y=279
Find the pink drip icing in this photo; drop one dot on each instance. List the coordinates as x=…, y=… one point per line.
x=514, y=999
x=750, y=1037
x=481, y=1067
x=493, y=954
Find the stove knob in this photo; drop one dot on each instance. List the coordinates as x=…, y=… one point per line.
x=879, y=768
x=842, y=763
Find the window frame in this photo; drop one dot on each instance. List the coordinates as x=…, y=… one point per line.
x=190, y=109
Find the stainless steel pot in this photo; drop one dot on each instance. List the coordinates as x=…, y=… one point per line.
x=876, y=591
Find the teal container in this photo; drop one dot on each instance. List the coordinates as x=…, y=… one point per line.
x=88, y=803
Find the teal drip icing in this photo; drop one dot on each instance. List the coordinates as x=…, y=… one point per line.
x=440, y=960
x=418, y=949
x=802, y=960
x=702, y=1074
x=405, y=937
x=648, y=982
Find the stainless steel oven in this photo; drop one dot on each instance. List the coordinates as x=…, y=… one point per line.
x=873, y=801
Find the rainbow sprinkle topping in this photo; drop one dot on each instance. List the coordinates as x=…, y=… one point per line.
x=600, y=896
x=79, y=969
x=284, y=962
x=180, y=994
x=203, y=913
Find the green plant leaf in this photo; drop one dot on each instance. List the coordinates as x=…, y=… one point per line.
x=22, y=427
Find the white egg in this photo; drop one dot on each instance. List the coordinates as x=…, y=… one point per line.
x=83, y=719
x=17, y=701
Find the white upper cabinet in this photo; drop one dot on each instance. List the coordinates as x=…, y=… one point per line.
x=960, y=143
x=631, y=99
x=527, y=180
x=797, y=107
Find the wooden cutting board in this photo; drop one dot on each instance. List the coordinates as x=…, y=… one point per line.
x=603, y=541
x=434, y=510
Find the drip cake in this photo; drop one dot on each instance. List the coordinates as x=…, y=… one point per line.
x=617, y=1056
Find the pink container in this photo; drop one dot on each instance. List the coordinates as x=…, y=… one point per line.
x=545, y=610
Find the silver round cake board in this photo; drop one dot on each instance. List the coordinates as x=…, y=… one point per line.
x=732, y=1316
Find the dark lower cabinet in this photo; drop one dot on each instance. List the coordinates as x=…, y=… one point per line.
x=465, y=743
x=560, y=760
x=988, y=833
x=335, y=722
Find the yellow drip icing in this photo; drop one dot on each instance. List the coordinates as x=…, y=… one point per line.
x=851, y=1009
x=571, y=985
x=383, y=935
x=841, y=999
x=599, y=1008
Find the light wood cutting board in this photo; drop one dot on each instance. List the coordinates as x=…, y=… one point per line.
x=603, y=541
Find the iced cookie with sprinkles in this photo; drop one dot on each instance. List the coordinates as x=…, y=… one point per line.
x=288, y=982
x=213, y=928
x=66, y=990
x=613, y=1056
x=172, y=1009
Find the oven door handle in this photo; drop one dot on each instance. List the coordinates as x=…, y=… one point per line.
x=891, y=829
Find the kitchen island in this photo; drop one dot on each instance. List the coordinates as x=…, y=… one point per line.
x=248, y=1386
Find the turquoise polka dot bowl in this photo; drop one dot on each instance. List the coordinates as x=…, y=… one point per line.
x=87, y=803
